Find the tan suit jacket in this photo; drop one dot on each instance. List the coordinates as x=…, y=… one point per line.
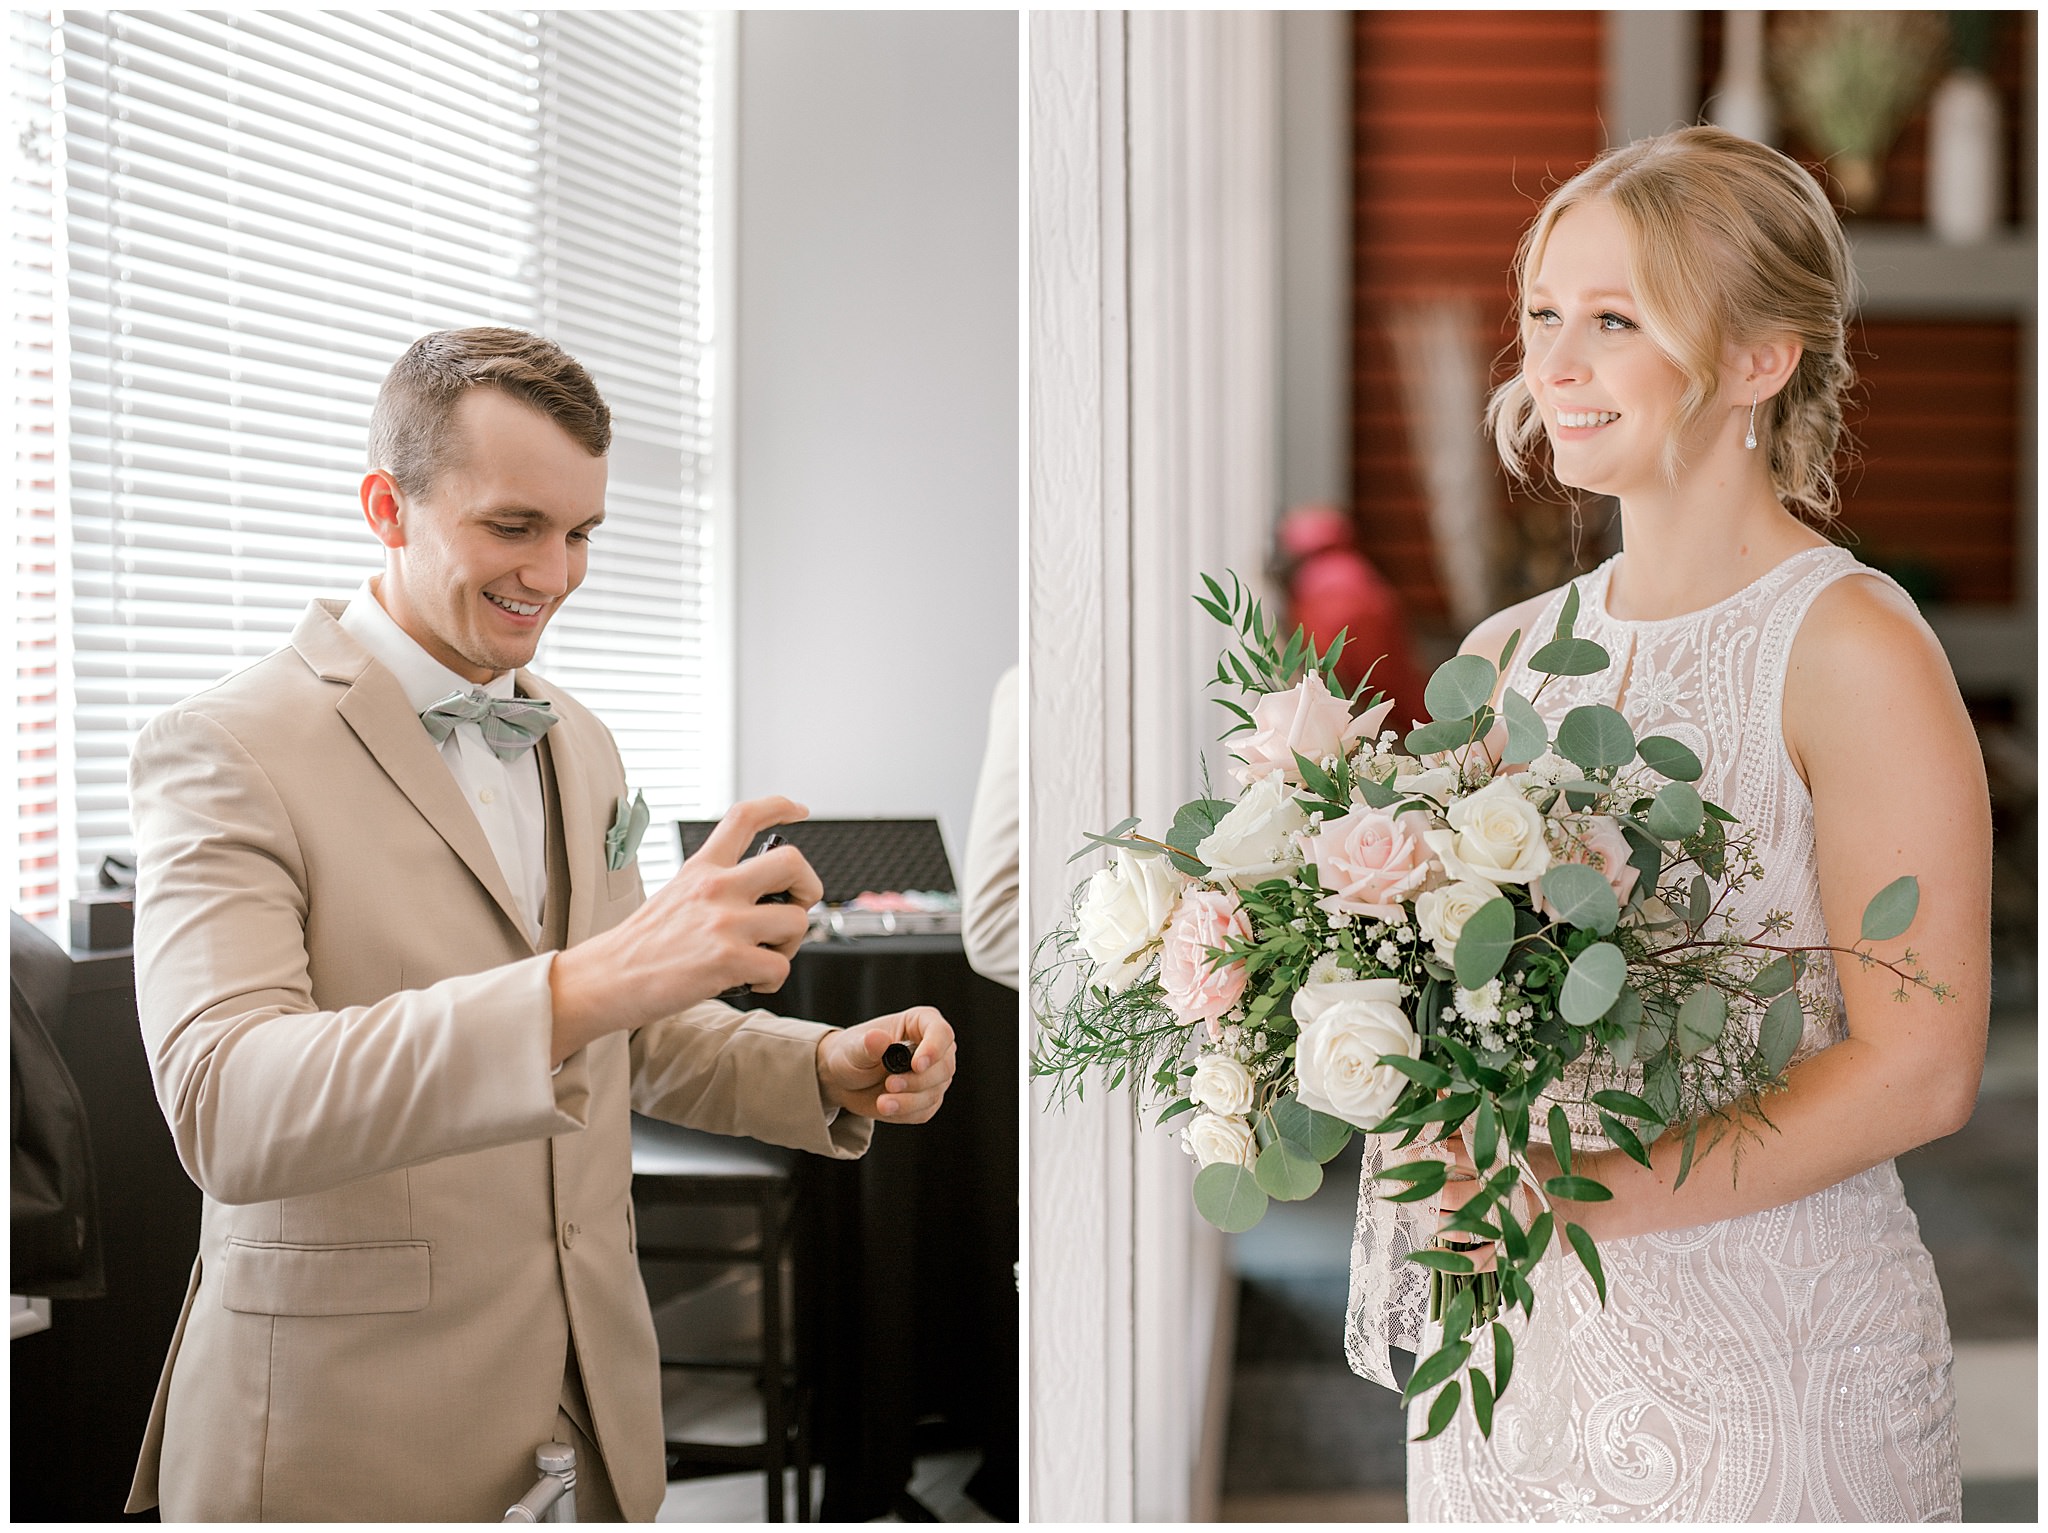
x=406, y=1218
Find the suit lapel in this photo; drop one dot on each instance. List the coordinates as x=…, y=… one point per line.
x=374, y=706
x=581, y=826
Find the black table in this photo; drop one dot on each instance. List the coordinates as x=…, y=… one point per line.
x=908, y=1256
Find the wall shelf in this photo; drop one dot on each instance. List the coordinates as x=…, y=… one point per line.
x=1908, y=274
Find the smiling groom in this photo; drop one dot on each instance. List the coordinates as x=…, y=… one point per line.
x=397, y=998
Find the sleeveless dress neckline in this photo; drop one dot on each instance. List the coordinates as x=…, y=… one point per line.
x=1601, y=577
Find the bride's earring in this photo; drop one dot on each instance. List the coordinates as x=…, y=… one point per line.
x=1750, y=440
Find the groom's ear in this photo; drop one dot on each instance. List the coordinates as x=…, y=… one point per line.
x=382, y=508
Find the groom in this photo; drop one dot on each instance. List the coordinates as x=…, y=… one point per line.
x=399, y=987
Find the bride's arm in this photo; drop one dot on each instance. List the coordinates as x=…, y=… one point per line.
x=1877, y=729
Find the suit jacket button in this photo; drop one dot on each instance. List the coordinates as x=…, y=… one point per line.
x=569, y=1233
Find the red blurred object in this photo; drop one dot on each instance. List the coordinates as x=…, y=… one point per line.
x=1332, y=588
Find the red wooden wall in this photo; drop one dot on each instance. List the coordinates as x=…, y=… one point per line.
x=1461, y=122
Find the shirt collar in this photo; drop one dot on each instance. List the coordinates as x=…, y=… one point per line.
x=426, y=680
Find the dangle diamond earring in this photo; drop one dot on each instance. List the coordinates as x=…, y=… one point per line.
x=1750, y=440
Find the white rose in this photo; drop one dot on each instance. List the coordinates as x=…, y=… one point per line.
x=1437, y=782
x=1210, y=1138
x=1346, y=1029
x=1255, y=840
x=1127, y=909
x=1553, y=768
x=1442, y=913
x=1222, y=1085
x=1495, y=835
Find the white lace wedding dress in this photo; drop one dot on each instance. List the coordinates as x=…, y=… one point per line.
x=1791, y=1364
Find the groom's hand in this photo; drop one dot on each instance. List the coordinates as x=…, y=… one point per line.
x=852, y=1076
x=703, y=932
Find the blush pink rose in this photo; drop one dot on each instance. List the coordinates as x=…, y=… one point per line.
x=1308, y=718
x=1198, y=987
x=1597, y=842
x=1369, y=862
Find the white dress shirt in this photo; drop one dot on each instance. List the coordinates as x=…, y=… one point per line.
x=505, y=796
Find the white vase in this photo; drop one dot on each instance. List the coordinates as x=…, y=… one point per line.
x=1742, y=97
x=1965, y=160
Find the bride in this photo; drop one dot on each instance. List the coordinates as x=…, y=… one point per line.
x=1773, y=1346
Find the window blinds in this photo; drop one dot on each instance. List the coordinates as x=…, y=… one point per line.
x=251, y=216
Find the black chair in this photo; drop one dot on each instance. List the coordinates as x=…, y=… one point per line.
x=680, y=1169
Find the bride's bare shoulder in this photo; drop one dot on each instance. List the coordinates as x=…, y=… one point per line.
x=1491, y=636
x=1863, y=631
x=1865, y=666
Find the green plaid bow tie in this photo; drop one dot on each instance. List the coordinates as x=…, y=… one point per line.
x=509, y=724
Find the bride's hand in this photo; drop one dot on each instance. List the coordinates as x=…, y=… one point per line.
x=1458, y=1189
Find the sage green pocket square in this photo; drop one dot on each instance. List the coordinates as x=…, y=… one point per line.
x=629, y=824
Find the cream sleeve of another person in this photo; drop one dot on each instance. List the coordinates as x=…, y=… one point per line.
x=989, y=895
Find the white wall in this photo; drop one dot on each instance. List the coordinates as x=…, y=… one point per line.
x=875, y=483
x=1154, y=351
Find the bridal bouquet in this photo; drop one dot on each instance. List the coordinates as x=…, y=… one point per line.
x=1459, y=931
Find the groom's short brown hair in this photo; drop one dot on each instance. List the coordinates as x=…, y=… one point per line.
x=409, y=437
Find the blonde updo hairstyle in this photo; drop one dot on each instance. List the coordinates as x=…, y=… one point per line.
x=1729, y=242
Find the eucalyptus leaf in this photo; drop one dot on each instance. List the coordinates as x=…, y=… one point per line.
x=1321, y=1135
x=1111, y=837
x=1623, y=1138
x=1576, y=1189
x=1287, y=1171
x=1589, y=1257
x=1692, y=1138
x=1528, y=736
x=1665, y=756
x=1778, y=1035
x=1428, y=1175
x=1568, y=613
x=1441, y=1364
x=1484, y=944
x=1702, y=1018
x=1569, y=657
x=1503, y=1359
x=1660, y=1088
x=1626, y=1102
x=1458, y=1315
x=1592, y=984
x=1891, y=910
x=1508, y=651
x=1193, y=823
x=1623, y=1049
x=1561, y=1138
x=1699, y=900
x=1582, y=897
x=1441, y=1410
x=1434, y=1076
x=1482, y=1401
x=1461, y=686
x=1378, y=795
x=1595, y=736
x=1315, y=778
x=1228, y=1196
x=1442, y=1261
x=1448, y=734
x=1485, y=1135
x=1774, y=978
x=1676, y=812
